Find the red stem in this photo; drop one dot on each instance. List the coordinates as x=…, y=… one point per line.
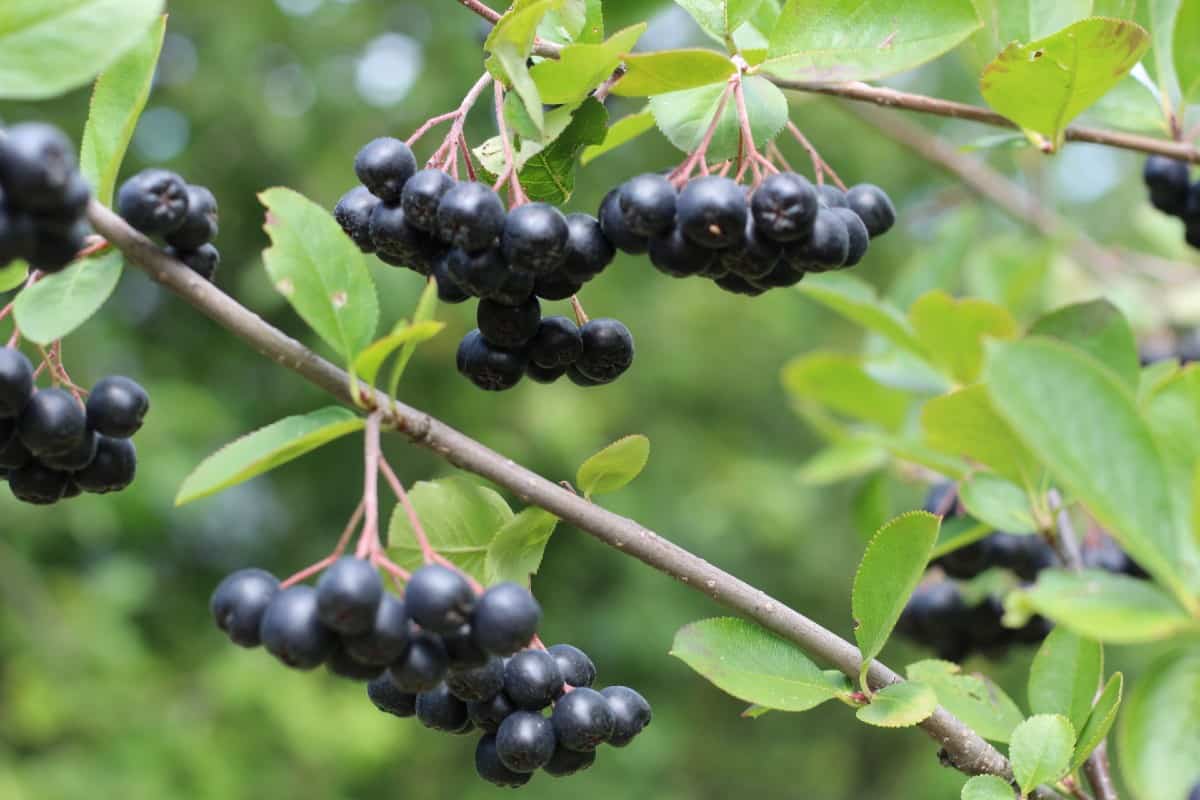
x=514, y=180
x=684, y=171
x=428, y=125
x=820, y=166
x=368, y=540
x=460, y=119
x=338, y=549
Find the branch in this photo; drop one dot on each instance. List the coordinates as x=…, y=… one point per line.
x=963, y=747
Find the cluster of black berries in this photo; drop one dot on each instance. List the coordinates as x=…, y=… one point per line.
x=1172, y=192
x=43, y=198
x=455, y=661
x=53, y=448
x=460, y=234
x=160, y=203
x=747, y=244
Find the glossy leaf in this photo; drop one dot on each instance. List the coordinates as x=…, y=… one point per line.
x=1099, y=329
x=516, y=552
x=964, y=423
x=857, y=301
x=13, y=275
x=1159, y=736
x=1041, y=749
x=59, y=303
x=952, y=331
x=684, y=117
x=720, y=18
x=987, y=787
x=582, y=67
x=665, y=71
x=370, y=360
x=998, y=502
x=510, y=44
x=615, y=466
x=1065, y=676
x=1187, y=50
x=900, y=705
x=624, y=130
x=1100, y=720
x=461, y=519
x=548, y=175
x=974, y=699
x=841, y=384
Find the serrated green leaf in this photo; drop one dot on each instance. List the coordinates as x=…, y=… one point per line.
x=841, y=384
x=890, y=570
x=1100, y=720
x=60, y=303
x=965, y=424
x=832, y=41
x=1187, y=50
x=1043, y=85
x=511, y=42
x=974, y=699
x=998, y=502
x=48, y=47
x=1099, y=329
x=849, y=458
x=549, y=174
x=369, y=361
x=1159, y=737
x=615, y=466
x=13, y=275
x=685, y=116
x=900, y=705
x=1065, y=675
x=672, y=71
x=516, y=552
x=752, y=664
x=624, y=130
x=266, y=449
x=952, y=331
x=582, y=67
x=958, y=532
x=319, y=270
x=118, y=98
x=461, y=519
x=857, y=301
x=987, y=787
x=1040, y=750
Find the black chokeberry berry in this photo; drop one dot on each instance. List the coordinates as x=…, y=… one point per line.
x=18, y=235
x=353, y=212
x=831, y=196
x=873, y=207
x=448, y=290
x=489, y=367
x=439, y=599
x=204, y=261
x=421, y=196
x=462, y=649
x=678, y=256
x=239, y=602
x=757, y=256
x=342, y=663
x=477, y=684
x=607, y=349
x=508, y=326
x=631, y=714
x=38, y=484
x=1167, y=180
x=470, y=216
x=545, y=375
x=583, y=720
x=292, y=631
x=348, y=595
x=56, y=248
x=557, y=285
x=784, y=207
x=37, y=162
x=387, y=638
x=514, y=289
x=736, y=284
x=827, y=247
x=525, y=741
x=479, y=273
x=505, y=619
x=389, y=698
x=588, y=250
x=647, y=204
x=16, y=382
x=612, y=225
x=200, y=224
x=75, y=459
x=488, y=714
x=576, y=667
x=53, y=422
x=112, y=470
x=422, y=666
x=858, y=238
x=489, y=766
x=579, y=379
x=117, y=406
x=532, y=679
x=535, y=238
x=13, y=454
x=566, y=762
x=557, y=343
x=784, y=273
x=712, y=212
x=442, y=711
x=402, y=244
x=384, y=165
x=155, y=201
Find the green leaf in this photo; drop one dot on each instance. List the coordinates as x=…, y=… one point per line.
x=1131, y=105
x=684, y=117
x=857, y=301
x=516, y=552
x=1040, y=750
x=1187, y=50
x=720, y=18
x=13, y=275
x=958, y=532
x=615, y=466
x=1065, y=675
x=461, y=519
x=987, y=787
x=118, y=98
x=952, y=331
x=60, y=303
x=366, y=366
x=998, y=502
x=427, y=305
x=624, y=130
x=890, y=570
x=1099, y=329
x=974, y=699
x=900, y=705
x=266, y=449
x=849, y=458
x=832, y=41
x=1103, y=606
x=1043, y=85
x=549, y=174
x=839, y=382
x=1159, y=737
x=567, y=23
x=964, y=423
x=1022, y=20
x=752, y=664
x=1159, y=16
x=319, y=270
x=511, y=42
x=48, y=47
x=672, y=71
x=582, y=67
x=1100, y=720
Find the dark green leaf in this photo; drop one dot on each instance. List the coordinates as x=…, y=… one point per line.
x=516, y=552
x=1099, y=329
x=624, y=130
x=684, y=117
x=1100, y=720
x=974, y=699
x=549, y=175
x=615, y=466
x=1041, y=749
x=461, y=519
x=672, y=71
x=900, y=705
x=60, y=303
x=1159, y=736
x=1065, y=676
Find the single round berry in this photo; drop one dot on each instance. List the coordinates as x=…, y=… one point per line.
x=18, y=235
x=535, y=238
x=384, y=165
x=607, y=349
x=155, y=201
x=75, y=459
x=404, y=245
x=612, y=225
x=566, y=762
x=532, y=679
x=389, y=698
x=353, y=213
x=71, y=206
x=292, y=632
x=1025, y=554
x=489, y=767
x=1167, y=180
x=631, y=714
x=557, y=285
x=736, y=284
x=488, y=714
x=525, y=741
x=448, y=290
x=112, y=470
x=831, y=196
x=422, y=666
x=756, y=257
x=117, y=406
x=203, y=261
x=712, y=211
x=16, y=382
x=647, y=204
x=858, y=238
x=387, y=638
x=421, y=196
x=439, y=599
x=477, y=684
x=462, y=650
x=514, y=288
x=556, y=344
x=348, y=596
x=238, y=604
x=489, y=367
x=505, y=619
x=200, y=224
x=678, y=256
x=873, y=207
x=784, y=207
x=576, y=667
x=508, y=326
x=56, y=248
x=546, y=375
x=583, y=720
x=342, y=663
x=37, y=484
x=579, y=379
x=470, y=216
x=442, y=711
x=53, y=422
x=37, y=162
x=827, y=248
x=781, y=275
x=588, y=250
x=478, y=273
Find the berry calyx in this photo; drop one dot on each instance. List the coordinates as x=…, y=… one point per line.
x=784, y=207
x=239, y=602
x=155, y=201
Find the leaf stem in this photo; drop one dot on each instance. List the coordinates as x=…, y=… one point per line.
x=459, y=115
x=514, y=179
x=680, y=174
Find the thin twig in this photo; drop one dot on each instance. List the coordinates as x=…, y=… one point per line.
x=338, y=549
x=684, y=171
x=368, y=541
x=581, y=317
x=820, y=165
x=510, y=160
x=438, y=159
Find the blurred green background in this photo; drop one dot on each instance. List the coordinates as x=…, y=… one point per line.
x=113, y=680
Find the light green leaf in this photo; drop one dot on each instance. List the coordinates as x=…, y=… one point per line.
x=1159, y=16
x=857, y=301
x=952, y=331
x=832, y=41
x=672, y=71
x=516, y=552
x=684, y=117
x=1065, y=676
x=366, y=366
x=1131, y=105
x=964, y=423
x=568, y=22
x=60, y=303
x=266, y=449
x=548, y=175
x=13, y=275
x=1159, y=737
x=1007, y=21
x=1043, y=85
x=624, y=130
x=890, y=570
x=615, y=466
x=319, y=270
x=900, y=705
x=998, y=502
x=118, y=98
x=752, y=664
x=840, y=383
x=461, y=519
x=1099, y=329
x=1041, y=749
x=1187, y=50
x=1100, y=720
x=720, y=18
x=987, y=787
x=427, y=305
x=510, y=44
x=48, y=47
x=958, y=532
x=582, y=67
x=842, y=460
x=974, y=699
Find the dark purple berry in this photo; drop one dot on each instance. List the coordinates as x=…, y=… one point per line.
x=477, y=684
x=117, y=406
x=112, y=470
x=525, y=742
x=612, y=225
x=607, y=350
x=442, y=711
x=155, y=201
x=200, y=224
x=873, y=207
x=53, y=422
x=489, y=367
x=505, y=619
x=37, y=163
x=439, y=599
x=588, y=250
x=784, y=207
x=342, y=663
x=292, y=632
x=508, y=326
x=353, y=213
x=566, y=762
x=422, y=666
x=631, y=714
x=387, y=638
x=239, y=602
x=535, y=238
x=827, y=248
x=647, y=204
x=583, y=720
x=557, y=343
x=557, y=285
x=678, y=256
x=488, y=714
x=348, y=595
x=532, y=679
x=38, y=484
x=576, y=668
x=421, y=196
x=384, y=165
x=858, y=238
x=203, y=261
x=712, y=211
x=16, y=382
x=470, y=216
x=491, y=769
x=389, y=698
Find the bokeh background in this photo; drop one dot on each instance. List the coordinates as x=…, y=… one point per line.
x=115, y=684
